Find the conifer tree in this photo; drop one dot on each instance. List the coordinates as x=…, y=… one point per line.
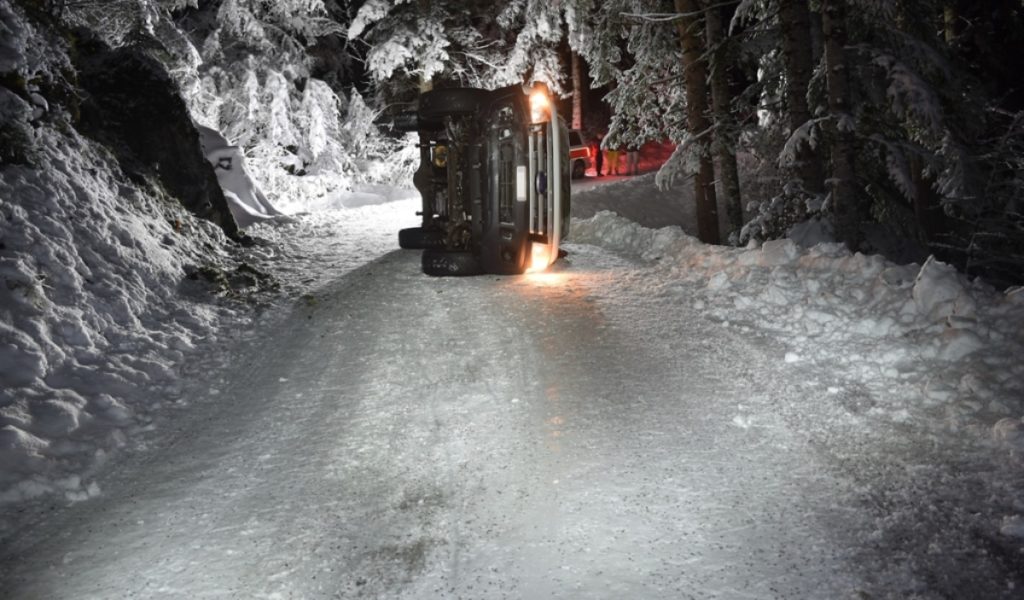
x=795, y=34
x=690, y=28
x=726, y=130
x=845, y=198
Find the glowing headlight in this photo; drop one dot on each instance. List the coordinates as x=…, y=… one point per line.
x=440, y=156
x=540, y=258
x=540, y=106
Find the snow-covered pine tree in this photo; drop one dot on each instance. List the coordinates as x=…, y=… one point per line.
x=931, y=142
x=244, y=71
x=799, y=60
x=633, y=48
x=255, y=87
x=460, y=44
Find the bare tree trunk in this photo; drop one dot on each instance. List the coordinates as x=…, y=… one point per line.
x=949, y=22
x=577, y=92
x=927, y=208
x=845, y=199
x=817, y=40
x=795, y=22
x=696, y=112
x=724, y=146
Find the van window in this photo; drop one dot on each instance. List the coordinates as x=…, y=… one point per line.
x=574, y=138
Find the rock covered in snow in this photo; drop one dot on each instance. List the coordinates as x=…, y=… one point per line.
x=41, y=106
x=957, y=343
x=939, y=292
x=779, y=252
x=134, y=107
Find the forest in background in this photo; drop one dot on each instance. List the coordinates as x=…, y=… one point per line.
x=877, y=120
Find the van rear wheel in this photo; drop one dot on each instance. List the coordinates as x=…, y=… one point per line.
x=578, y=169
x=452, y=101
x=418, y=238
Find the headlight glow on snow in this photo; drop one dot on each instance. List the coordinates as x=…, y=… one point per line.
x=540, y=258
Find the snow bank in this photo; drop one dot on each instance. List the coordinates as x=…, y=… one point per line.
x=93, y=327
x=97, y=317
x=897, y=350
x=956, y=343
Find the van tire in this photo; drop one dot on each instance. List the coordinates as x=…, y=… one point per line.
x=418, y=238
x=453, y=101
x=579, y=169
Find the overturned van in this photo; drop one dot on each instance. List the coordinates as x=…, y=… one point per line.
x=494, y=180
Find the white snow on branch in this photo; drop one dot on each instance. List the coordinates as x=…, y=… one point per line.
x=804, y=135
x=910, y=96
x=369, y=13
x=743, y=12
x=684, y=161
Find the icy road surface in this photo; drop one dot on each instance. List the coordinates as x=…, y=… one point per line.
x=563, y=435
x=402, y=436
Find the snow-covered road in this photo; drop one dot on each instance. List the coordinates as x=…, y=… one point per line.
x=401, y=436
x=608, y=429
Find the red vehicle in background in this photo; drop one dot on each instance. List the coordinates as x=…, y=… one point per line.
x=579, y=154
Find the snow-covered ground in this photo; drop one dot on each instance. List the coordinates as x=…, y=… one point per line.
x=108, y=290
x=97, y=315
x=652, y=417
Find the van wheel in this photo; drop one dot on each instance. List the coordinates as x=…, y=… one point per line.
x=578, y=169
x=439, y=263
x=454, y=101
x=418, y=238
